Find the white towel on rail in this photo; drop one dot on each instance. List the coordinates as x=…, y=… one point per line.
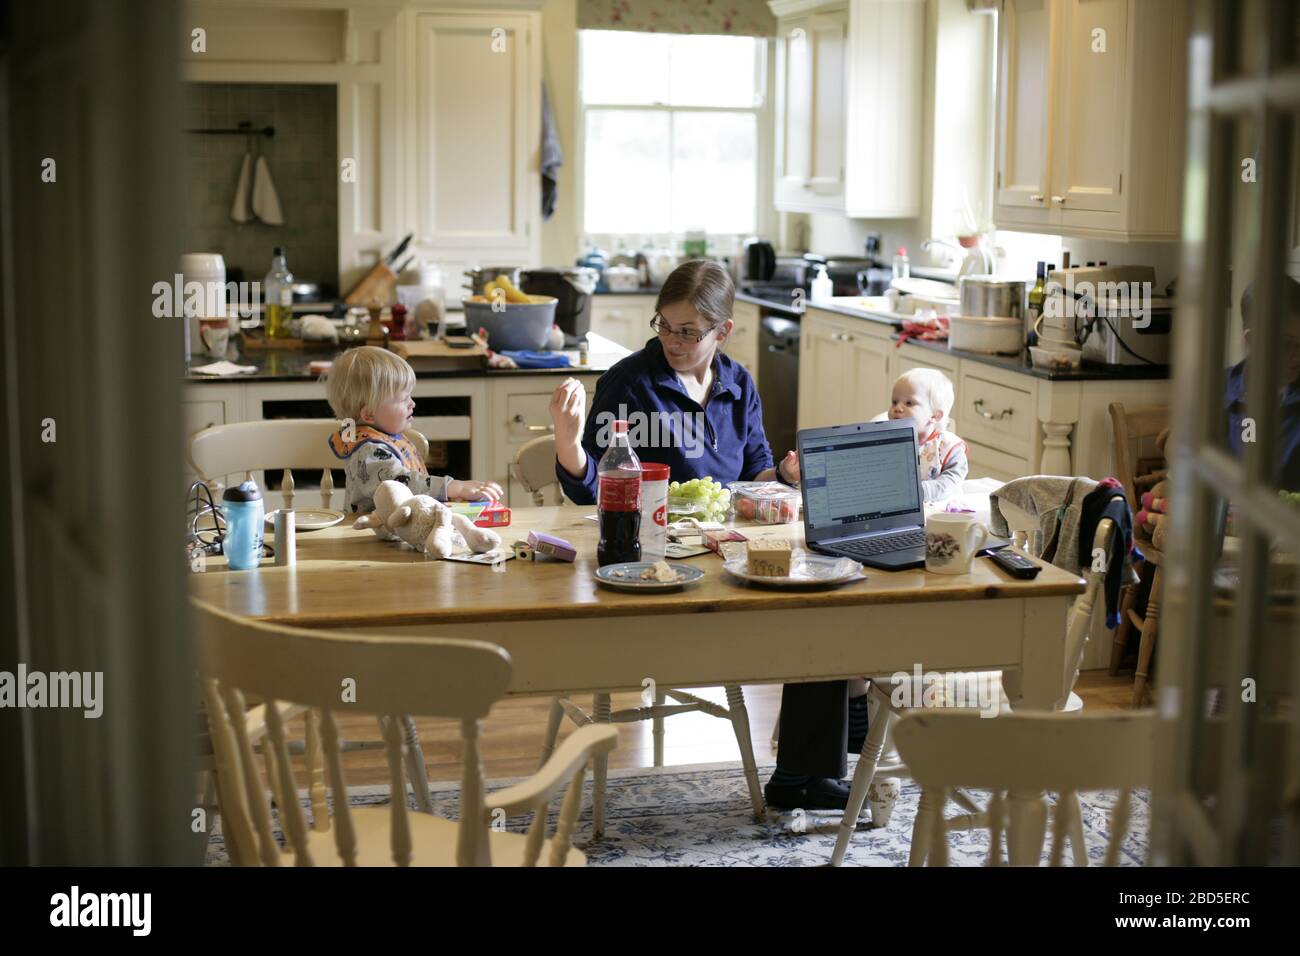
x=239, y=209
x=266, y=204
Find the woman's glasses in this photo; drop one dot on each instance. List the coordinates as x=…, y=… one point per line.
x=663, y=329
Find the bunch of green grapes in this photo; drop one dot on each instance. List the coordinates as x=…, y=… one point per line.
x=706, y=500
x=1290, y=497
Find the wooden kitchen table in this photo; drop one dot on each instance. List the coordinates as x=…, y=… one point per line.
x=567, y=634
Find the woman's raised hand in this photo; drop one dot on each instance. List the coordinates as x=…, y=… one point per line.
x=568, y=405
x=789, y=466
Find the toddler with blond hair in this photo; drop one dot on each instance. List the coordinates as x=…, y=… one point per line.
x=370, y=390
x=925, y=395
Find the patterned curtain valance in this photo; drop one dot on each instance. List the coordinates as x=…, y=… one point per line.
x=750, y=18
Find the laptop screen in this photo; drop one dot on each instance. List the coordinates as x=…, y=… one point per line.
x=859, y=478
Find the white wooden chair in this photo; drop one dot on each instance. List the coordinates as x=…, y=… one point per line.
x=1064, y=753
x=877, y=759
x=534, y=469
x=393, y=675
x=246, y=447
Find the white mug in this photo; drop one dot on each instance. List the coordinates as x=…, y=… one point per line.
x=951, y=540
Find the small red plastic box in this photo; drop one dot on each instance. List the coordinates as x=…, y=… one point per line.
x=551, y=546
x=485, y=514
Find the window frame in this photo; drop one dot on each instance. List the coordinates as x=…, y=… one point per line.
x=720, y=243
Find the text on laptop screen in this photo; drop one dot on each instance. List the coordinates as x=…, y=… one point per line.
x=854, y=478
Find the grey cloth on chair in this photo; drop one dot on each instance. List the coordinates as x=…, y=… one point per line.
x=1057, y=502
x=552, y=158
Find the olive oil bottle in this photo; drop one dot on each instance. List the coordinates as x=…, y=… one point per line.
x=277, y=297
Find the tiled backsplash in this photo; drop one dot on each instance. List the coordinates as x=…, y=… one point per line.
x=303, y=160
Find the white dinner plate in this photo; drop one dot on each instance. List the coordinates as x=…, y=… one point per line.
x=310, y=519
x=806, y=571
x=630, y=577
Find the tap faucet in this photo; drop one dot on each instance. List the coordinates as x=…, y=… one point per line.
x=976, y=260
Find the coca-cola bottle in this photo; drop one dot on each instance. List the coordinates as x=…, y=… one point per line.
x=618, y=500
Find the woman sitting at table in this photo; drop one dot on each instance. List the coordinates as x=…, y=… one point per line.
x=699, y=413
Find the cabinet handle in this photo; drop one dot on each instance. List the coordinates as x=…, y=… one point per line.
x=1036, y=197
x=1059, y=200
x=1005, y=413
x=519, y=420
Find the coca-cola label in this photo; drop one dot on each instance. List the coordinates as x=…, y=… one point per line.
x=619, y=494
x=661, y=516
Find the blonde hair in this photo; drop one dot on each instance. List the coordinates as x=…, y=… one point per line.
x=366, y=377
x=933, y=387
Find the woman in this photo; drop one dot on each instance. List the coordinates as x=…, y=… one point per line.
x=701, y=412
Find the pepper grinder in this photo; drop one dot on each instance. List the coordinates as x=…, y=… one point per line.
x=286, y=553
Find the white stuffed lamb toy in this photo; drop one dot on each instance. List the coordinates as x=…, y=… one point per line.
x=423, y=522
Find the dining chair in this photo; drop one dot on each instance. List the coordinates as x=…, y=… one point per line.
x=534, y=468
x=875, y=761
x=221, y=450
x=286, y=443
x=298, y=673
x=1129, y=428
x=1061, y=753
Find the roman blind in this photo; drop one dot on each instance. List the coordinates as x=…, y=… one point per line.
x=750, y=18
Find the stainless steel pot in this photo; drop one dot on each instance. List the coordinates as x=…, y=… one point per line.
x=485, y=274
x=991, y=295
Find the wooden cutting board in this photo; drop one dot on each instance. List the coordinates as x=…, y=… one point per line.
x=428, y=355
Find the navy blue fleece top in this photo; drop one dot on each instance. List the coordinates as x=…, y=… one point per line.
x=724, y=440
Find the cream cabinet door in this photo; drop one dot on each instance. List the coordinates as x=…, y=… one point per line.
x=477, y=91
x=869, y=364
x=822, y=368
x=1090, y=135
x=743, y=344
x=1025, y=78
x=624, y=319
x=811, y=73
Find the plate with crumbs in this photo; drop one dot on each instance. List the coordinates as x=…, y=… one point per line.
x=647, y=576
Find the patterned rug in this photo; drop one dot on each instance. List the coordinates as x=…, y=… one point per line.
x=700, y=815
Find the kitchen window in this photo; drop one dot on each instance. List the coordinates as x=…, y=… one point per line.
x=671, y=130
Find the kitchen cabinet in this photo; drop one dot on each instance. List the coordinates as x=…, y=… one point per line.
x=849, y=80
x=743, y=344
x=624, y=319
x=1090, y=117
x=810, y=107
x=475, y=175
x=845, y=369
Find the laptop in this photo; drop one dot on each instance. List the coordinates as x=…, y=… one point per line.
x=862, y=494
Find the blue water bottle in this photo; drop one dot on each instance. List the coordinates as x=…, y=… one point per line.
x=242, y=507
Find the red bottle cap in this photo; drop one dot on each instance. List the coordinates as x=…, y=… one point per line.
x=620, y=426
x=653, y=471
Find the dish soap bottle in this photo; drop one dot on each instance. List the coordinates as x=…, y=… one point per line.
x=822, y=286
x=902, y=265
x=277, y=297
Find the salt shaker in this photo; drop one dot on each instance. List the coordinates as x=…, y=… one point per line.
x=285, y=534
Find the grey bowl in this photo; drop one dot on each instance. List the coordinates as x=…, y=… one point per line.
x=525, y=325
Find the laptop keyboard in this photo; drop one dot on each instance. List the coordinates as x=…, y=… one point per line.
x=867, y=547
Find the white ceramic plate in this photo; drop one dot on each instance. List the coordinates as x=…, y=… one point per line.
x=806, y=571
x=631, y=579
x=309, y=519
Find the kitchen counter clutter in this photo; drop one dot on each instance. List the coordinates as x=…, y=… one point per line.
x=294, y=365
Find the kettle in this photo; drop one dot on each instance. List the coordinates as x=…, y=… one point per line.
x=760, y=260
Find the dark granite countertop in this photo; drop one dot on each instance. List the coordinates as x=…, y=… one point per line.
x=293, y=365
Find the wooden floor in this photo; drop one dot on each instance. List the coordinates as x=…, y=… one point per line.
x=512, y=734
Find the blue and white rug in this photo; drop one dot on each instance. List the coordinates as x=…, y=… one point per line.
x=700, y=815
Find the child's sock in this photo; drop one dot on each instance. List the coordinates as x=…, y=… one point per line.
x=857, y=723
x=784, y=778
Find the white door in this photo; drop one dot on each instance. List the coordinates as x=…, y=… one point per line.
x=1092, y=109
x=1024, y=113
x=478, y=103
x=810, y=104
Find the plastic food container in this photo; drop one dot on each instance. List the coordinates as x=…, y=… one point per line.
x=1056, y=360
x=767, y=502
x=982, y=333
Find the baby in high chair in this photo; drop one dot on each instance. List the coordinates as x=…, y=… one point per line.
x=925, y=395
x=370, y=390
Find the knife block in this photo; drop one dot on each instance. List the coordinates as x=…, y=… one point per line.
x=377, y=285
